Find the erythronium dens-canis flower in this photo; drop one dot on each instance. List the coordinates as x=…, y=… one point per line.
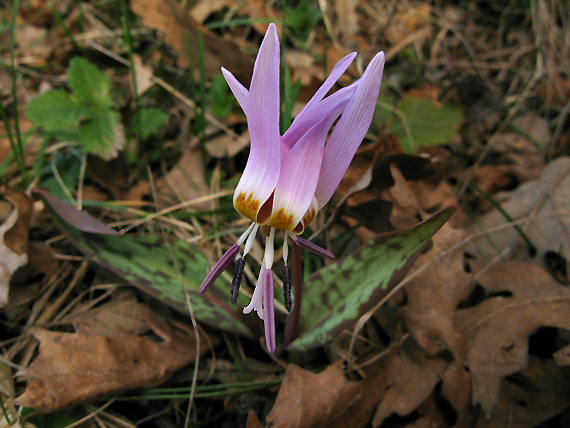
x=288, y=178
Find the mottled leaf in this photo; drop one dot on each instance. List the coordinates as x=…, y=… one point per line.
x=339, y=294
x=164, y=270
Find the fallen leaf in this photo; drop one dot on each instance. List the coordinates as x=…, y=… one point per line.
x=327, y=399
x=433, y=296
x=526, y=144
x=178, y=26
x=143, y=74
x=74, y=368
x=536, y=394
x=14, y=241
x=226, y=145
x=496, y=331
x=253, y=420
x=547, y=201
x=184, y=182
x=411, y=378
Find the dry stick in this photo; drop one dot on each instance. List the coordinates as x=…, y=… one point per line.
x=421, y=270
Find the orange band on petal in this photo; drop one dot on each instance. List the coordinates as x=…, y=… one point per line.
x=247, y=206
x=282, y=220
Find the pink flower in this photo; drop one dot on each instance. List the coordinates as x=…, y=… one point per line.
x=288, y=178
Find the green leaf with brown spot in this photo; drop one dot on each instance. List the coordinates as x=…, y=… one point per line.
x=160, y=268
x=339, y=294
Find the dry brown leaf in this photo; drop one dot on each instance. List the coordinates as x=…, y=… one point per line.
x=327, y=399
x=312, y=400
x=74, y=368
x=14, y=241
x=184, y=182
x=204, y=8
x=547, y=199
x=496, y=331
x=253, y=420
x=411, y=378
x=177, y=25
x=434, y=295
x=518, y=148
x=555, y=92
x=143, y=75
x=226, y=145
x=537, y=393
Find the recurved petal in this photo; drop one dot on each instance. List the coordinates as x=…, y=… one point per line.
x=350, y=130
x=300, y=174
x=237, y=88
x=262, y=169
x=316, y=110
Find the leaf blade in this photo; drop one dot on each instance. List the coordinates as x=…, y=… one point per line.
x=339, y=294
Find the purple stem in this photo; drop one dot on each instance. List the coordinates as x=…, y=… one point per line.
x=293, y=318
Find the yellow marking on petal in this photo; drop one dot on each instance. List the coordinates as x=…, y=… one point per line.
x=247, y=206
x=309, y=216
x=281, y=220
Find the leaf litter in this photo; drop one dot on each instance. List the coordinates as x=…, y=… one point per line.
x=477, y=336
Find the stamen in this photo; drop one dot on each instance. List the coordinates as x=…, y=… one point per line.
x=287, y=287
x=268, y=309
x=250, y=239
x=219, y=267
x=308, y=245
x=245, y=234
x=285, y=248
x=269, y=250
x=256, y=302
x=236, y=281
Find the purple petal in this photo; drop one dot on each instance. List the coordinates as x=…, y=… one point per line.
x=269, y=311
x=308, y=245
x=262, y=170
x=219, y=268
x=237, y=88
x=315, y=110
x=350, y=130
x=298, y=181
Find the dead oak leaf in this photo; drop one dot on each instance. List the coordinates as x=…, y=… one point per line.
x=74, y=368
x=327, y=399
x=181, y=31
x=14, y=241
x=410, y=379
x=312, y=400
x=434, y=295
x=496, y=331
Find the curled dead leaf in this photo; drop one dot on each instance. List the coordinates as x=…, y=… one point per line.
x=92, y=363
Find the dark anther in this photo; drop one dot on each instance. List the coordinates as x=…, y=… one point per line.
x=287, y=287
x=238, y=273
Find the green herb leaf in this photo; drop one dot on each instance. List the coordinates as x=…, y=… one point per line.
x=164, y=270
x=147, y=121
x=56, y=110
x=339, y=294
x=424, y=123
x=89, y=83
x=103, y=135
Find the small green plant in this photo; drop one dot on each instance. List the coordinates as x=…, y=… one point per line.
x=85, y=115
